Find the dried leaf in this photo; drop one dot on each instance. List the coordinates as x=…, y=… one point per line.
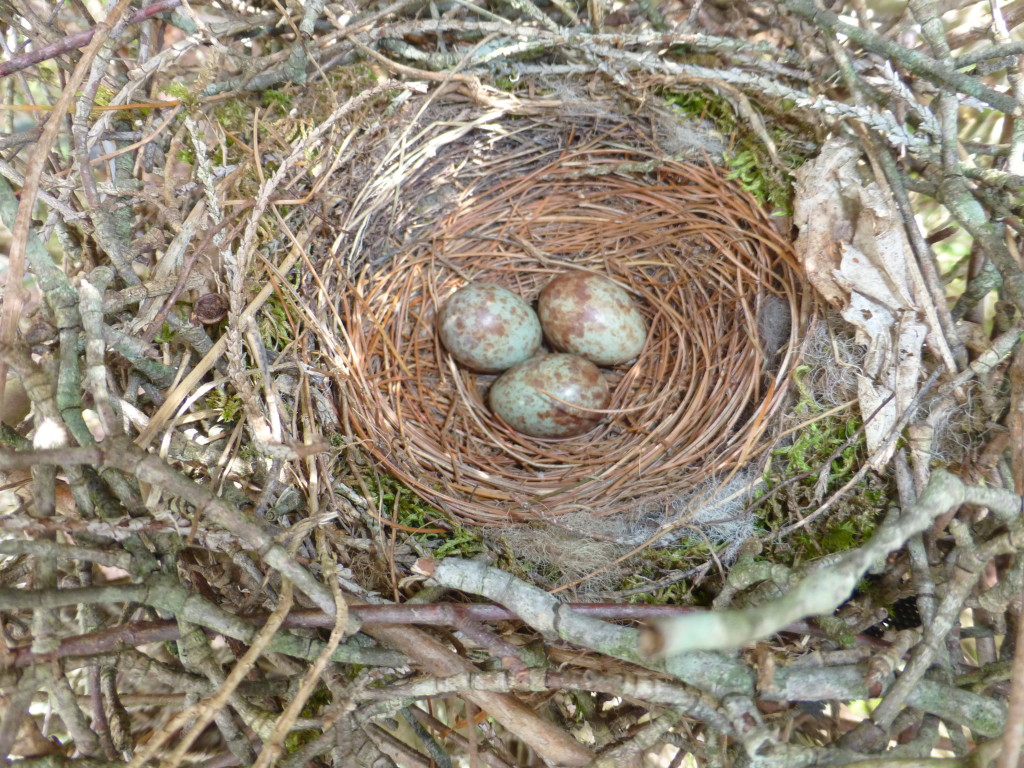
x=857, y=256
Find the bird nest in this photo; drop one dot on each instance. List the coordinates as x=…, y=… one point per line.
x=700, y=257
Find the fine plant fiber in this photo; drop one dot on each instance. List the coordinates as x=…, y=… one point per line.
x=561, y=553
x=830, y=362
x=717, y=510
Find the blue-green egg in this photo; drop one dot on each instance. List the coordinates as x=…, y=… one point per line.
x=537, y=397
x=591, y=316
x=488, y=328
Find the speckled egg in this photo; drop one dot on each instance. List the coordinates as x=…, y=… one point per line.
x=591, y=316
x=488, y=328
x=536, y=397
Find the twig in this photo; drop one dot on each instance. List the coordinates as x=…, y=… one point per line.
x=819, y=594
x=208, y=708
x=273, y=749
x=14, y=295
x=650, y=689
x=77, y=40
x=914, y=60
x=546, y=738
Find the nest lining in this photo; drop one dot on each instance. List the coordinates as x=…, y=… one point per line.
x=699, y=256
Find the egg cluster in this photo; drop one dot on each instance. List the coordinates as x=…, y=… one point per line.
x=588, y=319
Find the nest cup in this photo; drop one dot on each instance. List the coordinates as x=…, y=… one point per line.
x=701, y=259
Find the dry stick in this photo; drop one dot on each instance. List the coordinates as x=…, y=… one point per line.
x=197, y=656
x=91, y=313
x=147, y=632
x=207, y=709
x=237, y=260
x=396, y=749
x=1013, y=736
x=77, y=40
x=719, y=673
x=192, y=379
x=14, y=292
x=639, y=740
x=548, y=740
x=949, y=344
x=824, y=589
x=274, y=747
x=43, y=548
x=440, y=757
x=1015, y=161
x=971, y=561
x=15, y=710
x=444, y=732
x=937, y=71
x=646, y=688
x=175, y=600
x=121, y=454
x=189, y=383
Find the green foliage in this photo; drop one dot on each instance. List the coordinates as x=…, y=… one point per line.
x=297, y=739
x=276, y=323
x=272, y=97
x=747, y=167
x=165, y=335
x=816, y=442
x=189, y=101
x=228, y=405
x=656, y=563
x=234, y=115
x=397, y=501
x=748, y=160
x=820, y=458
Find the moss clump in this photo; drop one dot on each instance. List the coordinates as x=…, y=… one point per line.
x=190, y=101
x=234, y=115
x=229, y=406
x=823, y=455
x=748, y=160
x=398, y=503
x=657, y=563
x=297, y=739
x=277, y=322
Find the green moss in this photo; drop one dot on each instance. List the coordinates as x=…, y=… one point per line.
x=296, y=740
x=837, y=631
x=190, y=100
x=165, y=335
x=234, y=115
x=399, y=503
x=274, y=98
x=821, y=458
x=747, y=159
x=230, y=406
x=276, y=321
x=656, y=563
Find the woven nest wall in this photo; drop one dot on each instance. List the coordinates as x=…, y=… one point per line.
x=700, y=257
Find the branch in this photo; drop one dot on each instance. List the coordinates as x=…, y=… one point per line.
x=824, y=590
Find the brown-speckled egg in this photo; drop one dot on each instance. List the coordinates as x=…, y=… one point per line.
x=536, y=397
x=591, y=316
x=488, y=328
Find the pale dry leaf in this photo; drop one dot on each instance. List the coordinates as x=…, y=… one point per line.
x=856, y=254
